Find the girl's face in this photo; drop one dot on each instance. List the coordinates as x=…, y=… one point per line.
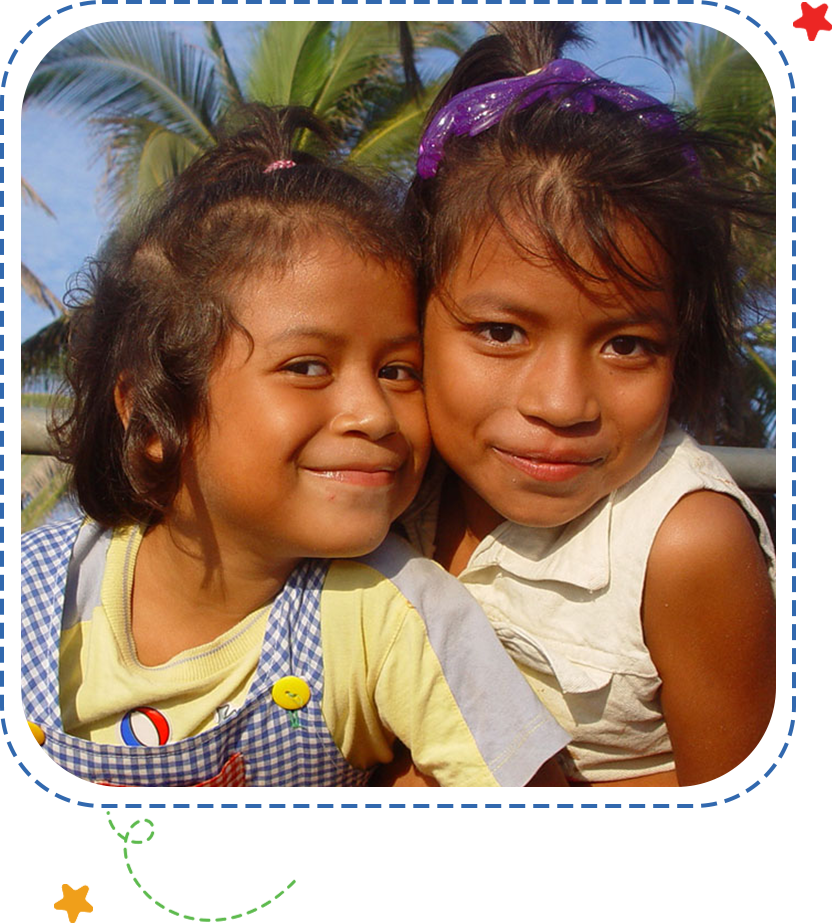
x=316, y=436
x=543, y=396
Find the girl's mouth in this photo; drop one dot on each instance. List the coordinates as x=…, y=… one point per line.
x=361, y=477
x=549, y=468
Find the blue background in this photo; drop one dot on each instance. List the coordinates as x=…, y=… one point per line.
x=602, y=854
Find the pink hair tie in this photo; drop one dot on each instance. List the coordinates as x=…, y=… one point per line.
x=280, y=165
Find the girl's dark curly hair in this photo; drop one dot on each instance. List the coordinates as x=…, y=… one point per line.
x=564, y=185
x=151, y=314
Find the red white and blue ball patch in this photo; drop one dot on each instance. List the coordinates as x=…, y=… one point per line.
x=145, y=727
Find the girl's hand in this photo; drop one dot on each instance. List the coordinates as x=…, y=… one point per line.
x=708, y=616
x=549, y=775
x=401, y=773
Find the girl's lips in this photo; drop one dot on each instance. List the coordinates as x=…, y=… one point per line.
x=362, y=477
x=553, y=469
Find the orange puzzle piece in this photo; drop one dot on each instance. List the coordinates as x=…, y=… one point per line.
x=74, y=902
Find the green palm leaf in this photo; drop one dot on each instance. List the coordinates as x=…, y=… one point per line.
x=391, y=140
x=231, y=87
x=42, y=354
x=114, y=72
x=733, y=100
x=141, y=156
x=453, y=37
x=39, y=292
x=163, y=156
x=154, y=103
x=44, y=483
x=289, y=62
x=364, y=51
x=142, y=69
x=731, y=93
x=30, y=197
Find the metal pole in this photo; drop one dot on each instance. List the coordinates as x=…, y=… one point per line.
x=752, y=469
x=34, y=439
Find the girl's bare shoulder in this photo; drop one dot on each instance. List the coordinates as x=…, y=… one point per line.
x=708, y=619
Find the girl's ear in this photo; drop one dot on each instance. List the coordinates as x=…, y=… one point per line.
x=123, y=399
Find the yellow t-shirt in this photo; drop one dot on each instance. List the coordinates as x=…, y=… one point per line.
x=406, y=654
x=109, y=697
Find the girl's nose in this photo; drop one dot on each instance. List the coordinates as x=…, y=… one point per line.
x=560, y=391
x=364, y=410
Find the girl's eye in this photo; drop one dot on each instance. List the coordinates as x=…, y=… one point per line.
x=628, y=346
x=308, y=368
x=400, y=373
x=504, y=334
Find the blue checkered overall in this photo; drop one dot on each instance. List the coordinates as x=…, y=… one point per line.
x=274, y=752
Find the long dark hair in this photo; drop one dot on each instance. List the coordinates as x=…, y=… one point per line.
x=151, y=314
x=563, y=185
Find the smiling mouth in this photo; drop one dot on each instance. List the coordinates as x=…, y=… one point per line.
x=549, y=468
x=359, y=476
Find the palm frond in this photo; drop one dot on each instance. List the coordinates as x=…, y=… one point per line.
x=453, y=37
x=765, y=368
x=730, y=91
x=143, y=69
x=44, y=484
x=140, y=155
x=288, y=62
x=39, y=292
x=391, y=139
x=38, y=473
x=30, y=197
x=225, y=72
x=361, y=52
x=163, y=156
x=733, y=100
x=666, y=39
x=42, y=354
x=407, y=52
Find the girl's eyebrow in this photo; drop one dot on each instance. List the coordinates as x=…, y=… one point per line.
x=307, y=333
x=335, y=339
x=638, y=318
x=406, y=339
x=492, y=303
x=635, y=317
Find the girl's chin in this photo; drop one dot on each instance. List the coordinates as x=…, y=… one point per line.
x=537, y=513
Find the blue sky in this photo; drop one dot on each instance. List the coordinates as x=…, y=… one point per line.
x=58, y=157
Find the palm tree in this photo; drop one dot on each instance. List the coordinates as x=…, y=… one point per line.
x=38, y=291
x=41, y=353
x=154, y=101
x=732, y=98
x=43, y=479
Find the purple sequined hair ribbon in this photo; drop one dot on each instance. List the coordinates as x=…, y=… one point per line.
x=478, y=108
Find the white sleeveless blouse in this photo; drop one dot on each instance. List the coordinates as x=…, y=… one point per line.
x=566, y=604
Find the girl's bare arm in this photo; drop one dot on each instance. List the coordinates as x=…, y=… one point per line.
x=708, y=616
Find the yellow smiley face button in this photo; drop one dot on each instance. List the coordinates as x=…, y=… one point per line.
x=291, y=692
